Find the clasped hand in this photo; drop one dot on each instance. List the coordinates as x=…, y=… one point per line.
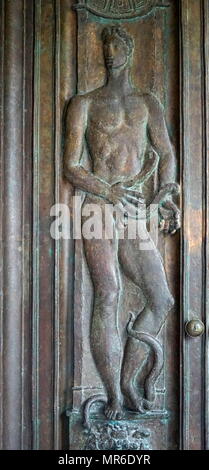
x=170, y=217
x=119, y=193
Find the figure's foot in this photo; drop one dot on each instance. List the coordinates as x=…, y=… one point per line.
x=133, y=401
x=113, y=410
x=148, y=404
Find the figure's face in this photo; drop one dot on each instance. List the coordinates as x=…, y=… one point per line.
x=115, y=52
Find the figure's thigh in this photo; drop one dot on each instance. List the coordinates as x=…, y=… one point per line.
x=101, y=254
x=102, y=261
x=145, y=268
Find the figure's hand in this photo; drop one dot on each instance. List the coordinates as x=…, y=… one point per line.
x=120, y=194
x=170, y=217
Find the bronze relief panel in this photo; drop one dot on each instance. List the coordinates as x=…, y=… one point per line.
x=119, y=153
x=84, y=312
x=120, y=10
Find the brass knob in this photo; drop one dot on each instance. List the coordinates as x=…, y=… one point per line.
x=195, y=328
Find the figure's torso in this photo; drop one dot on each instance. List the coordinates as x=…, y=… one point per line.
x=116, y=134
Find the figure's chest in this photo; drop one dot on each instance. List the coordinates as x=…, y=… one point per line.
x=110, y=114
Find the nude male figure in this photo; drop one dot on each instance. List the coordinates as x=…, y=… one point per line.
x=116, y=121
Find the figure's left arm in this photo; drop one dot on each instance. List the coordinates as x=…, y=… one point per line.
x=160, y=140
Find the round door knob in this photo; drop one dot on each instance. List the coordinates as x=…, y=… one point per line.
x=194, y=328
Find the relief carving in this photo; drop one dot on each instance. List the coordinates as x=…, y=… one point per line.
x=127, y=139
x=112, y=436
x=120, y=9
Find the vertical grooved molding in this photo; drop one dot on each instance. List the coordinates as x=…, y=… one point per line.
x=23, y=232
x=65, y=87
x=12, y=226
x=205, y=19
x=36, y=144
x=57, y=152
x=1, y=210
x=26, y=332
x=193, y=223
x=43, y=244
x=16, y=214
x=184, y=262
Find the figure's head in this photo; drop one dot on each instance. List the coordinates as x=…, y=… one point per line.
x=118, y=47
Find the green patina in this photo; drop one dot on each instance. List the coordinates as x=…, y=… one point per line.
x=120, y=11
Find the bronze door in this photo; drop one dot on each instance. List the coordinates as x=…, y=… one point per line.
x=104, y=341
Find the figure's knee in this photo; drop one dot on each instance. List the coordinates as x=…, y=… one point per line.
x=167, y=302
x=161, y=304
x=107, y=298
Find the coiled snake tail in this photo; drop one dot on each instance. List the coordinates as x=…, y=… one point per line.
x=157, y=363
x=87, y=405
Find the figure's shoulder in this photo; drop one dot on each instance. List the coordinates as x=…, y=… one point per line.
x=78, y=99
x=88, y=97
x=152, y=102
x=79, y=104
x=147, y=98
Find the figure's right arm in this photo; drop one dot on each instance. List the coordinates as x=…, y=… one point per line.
x=77, y=117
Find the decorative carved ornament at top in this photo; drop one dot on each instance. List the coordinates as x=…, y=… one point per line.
x=120, y=9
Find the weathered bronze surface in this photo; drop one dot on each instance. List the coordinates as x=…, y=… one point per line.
x=16, y=113
x=116, y=121
x=120, y=126
x=50, y=53
x=120, y=10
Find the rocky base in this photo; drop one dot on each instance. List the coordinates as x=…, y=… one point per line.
x=134, y=432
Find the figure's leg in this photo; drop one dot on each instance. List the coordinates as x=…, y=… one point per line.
x=146, y=270
x=102, y=260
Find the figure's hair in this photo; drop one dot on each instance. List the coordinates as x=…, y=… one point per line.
x=109, y=31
